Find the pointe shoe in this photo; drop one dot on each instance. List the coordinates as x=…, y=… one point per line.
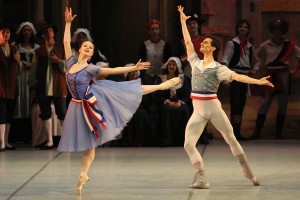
x=254, y=179
x=170, y=83
x=201, y=181
x=81, y=181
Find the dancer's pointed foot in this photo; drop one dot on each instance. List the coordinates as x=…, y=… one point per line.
x=253, y=179
x=170, y=83
x=81, y=181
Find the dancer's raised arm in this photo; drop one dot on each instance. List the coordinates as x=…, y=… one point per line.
x=67, y=35
x=186, y=35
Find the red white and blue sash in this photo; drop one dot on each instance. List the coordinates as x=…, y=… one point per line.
x=90, y=112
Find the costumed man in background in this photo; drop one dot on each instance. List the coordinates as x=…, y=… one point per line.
x=276, y=55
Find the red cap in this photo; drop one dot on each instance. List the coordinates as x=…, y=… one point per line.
x=153, y=21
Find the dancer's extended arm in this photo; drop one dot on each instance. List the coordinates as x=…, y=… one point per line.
x=246, y=79
x=120, y=70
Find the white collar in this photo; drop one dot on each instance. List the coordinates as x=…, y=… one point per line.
x=237, y=39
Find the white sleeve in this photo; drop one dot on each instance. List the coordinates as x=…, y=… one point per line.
x=228, y=53
x=224, y=73
x=193, y=59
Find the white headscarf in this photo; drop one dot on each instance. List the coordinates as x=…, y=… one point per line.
x=181, y=75
x=26, y=24
x=82, y=30
x=178, y=63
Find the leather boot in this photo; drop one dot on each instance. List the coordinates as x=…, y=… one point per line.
x=260, y=120
x=279, y=126
x=247, y=170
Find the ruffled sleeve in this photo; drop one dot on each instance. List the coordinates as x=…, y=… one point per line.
x=93, y=70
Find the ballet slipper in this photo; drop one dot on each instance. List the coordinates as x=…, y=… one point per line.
x=247, y=170
x=252, y=178
x=81, y=181
x=201, y=181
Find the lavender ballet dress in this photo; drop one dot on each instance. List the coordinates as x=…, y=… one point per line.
x=113, y=104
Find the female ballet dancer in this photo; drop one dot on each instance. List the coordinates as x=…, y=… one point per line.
x=99, y=110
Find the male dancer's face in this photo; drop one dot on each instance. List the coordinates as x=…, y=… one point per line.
x=206, y=46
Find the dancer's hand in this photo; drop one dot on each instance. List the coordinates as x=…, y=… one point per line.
x=183, y=17
x=264, y=81
x=142, y=65
x=68, y=15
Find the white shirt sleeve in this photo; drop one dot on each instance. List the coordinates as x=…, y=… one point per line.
x=194, y=60
x=224, y=73
x=228, y=53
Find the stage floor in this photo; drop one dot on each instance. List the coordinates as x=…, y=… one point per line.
x=153, y=173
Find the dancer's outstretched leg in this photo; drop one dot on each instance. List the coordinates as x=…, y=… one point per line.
x=163, y=86
x=87, y=160
x=222, y=124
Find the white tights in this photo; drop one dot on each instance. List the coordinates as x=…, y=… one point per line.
x=205, y=110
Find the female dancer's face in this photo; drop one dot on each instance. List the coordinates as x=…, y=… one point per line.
x=87, y=48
